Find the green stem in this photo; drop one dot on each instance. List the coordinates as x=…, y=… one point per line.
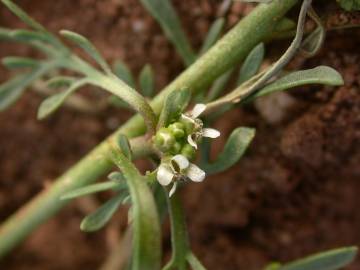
x=179, y=236
x=146, y=245
x=231, y=49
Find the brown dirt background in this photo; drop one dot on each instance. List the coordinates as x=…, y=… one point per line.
x=295, y=192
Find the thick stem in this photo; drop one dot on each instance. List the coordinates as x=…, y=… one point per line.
x=231, y=49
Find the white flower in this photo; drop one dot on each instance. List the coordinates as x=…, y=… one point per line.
x=176, y=169
x=199, y=131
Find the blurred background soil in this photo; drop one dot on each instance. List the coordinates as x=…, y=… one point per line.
x=295, y=192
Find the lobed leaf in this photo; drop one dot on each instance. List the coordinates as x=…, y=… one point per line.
x=123, y=72
x=319, y=75
x=52, y=103
x=328, y=260
x=87, y=46
x=164, y=13
x=251, y=64
x=174, y=104
x=213, y=35
x=14, y=62
x=102, y=215
x=94, y=188
x=146, y=80
x=234, y=149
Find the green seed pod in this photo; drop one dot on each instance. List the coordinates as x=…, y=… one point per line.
x=164, y=140
x=177, y=129
x=188, y=151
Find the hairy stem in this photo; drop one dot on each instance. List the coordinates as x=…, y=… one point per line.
x=227, y=52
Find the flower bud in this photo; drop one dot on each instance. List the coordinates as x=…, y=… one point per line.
x=164, y=140
x=188, y=151
x=177, y=129
x=189, y=126
x=175, y=149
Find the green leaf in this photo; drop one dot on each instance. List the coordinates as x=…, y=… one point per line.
x=194, y=262
x=213, y=35
x=165, y=14
x=273, y=266
x=34, y=24
x=285, y=25
x=328, y=260
x=349, y=5
x=5, y=33
x=60, y=81
x=52, y=103
x=102, y=215
x=94, y=188
x=123, y=72
x=219, y=85
x=174, y=104
x=146, y=80
x=11, y=90
x=312, y=44
x=146, y=253
x=87, y=46
x=117, y=102
x=116, y=176
x=13, y=62
x=124, y=145
x=234, y=149
x=251, y=64
x=23, y=16
x=32, y=38
x=29, y=36
x=319, y=75
x=137, y=102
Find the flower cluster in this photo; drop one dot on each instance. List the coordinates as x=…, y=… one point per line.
x=178, y=142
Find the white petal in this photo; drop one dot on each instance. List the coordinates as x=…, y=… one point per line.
x=197, y=110
x=173, y=189
x=195, y=173
x=191, y=141
x=181, y=161
x=210, y=133
x=164, y=175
